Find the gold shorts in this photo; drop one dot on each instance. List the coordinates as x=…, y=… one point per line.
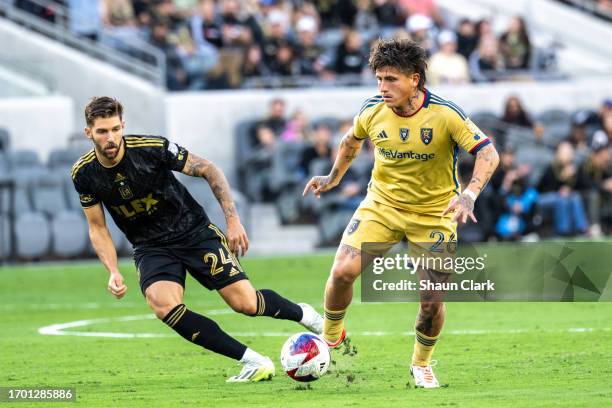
x=385, y=226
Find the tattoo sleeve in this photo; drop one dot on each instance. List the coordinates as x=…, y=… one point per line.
x=199, y=167
x=487, y=160
x=347, y=152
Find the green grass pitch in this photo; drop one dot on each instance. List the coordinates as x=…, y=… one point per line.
x=489, y=355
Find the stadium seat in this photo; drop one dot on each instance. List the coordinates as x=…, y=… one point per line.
x=69, y=232
x=32, y=235
x=19, y=159
x=553, y=117
x=48, y=194
x=23, y=179
x=5, y=140
x=243, y=146
x=64, y=158
x=286, y=166
x=5, y=237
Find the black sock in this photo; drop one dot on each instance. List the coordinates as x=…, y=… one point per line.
x=270, y=303
x=204, y=332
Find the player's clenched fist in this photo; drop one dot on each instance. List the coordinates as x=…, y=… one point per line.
x=318, y=185
x=116, y=285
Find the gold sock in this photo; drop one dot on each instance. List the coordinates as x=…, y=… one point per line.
x=423, y=349
x=333, y=324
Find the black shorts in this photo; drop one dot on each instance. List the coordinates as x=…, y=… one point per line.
x=206, y=256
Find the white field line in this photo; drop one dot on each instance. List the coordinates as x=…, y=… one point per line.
x=60, y=329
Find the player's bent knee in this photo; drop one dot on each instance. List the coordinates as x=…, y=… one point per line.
x=343, y=274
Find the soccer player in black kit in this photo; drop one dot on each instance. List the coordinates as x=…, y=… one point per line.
x=171, y=234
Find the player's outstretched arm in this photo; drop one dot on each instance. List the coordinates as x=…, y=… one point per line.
x=105, y=249
x=487, y=160
x=348, y=151
x=236, y=234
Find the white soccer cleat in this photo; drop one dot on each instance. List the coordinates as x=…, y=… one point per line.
x=424, y=377
x=254, y=371
x=311, y=320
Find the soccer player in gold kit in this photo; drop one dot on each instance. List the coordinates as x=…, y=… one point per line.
x=414, y=190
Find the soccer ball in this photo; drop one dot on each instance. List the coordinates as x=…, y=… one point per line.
x=305, y=357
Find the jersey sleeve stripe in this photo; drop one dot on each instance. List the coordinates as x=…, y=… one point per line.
x=370, y=102
x=455, y=157
x=439, y=101
x=141, y=144
x=479, y=146
x=463, y=117
x=81, y=164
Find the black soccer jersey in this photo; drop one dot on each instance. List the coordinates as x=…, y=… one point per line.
x=144, y=198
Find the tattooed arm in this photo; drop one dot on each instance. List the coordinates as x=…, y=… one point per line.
x=487, y=160
x=199, y=167
x=348, y=151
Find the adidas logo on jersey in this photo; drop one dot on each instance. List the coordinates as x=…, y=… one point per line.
x=119, y=178
x=382, y=135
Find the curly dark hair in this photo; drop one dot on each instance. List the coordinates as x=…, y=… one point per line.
x=102, y=107
x=406, y=56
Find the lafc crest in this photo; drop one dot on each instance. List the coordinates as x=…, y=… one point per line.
x=426, y=135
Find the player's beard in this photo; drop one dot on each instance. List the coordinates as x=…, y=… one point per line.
x=111, y=150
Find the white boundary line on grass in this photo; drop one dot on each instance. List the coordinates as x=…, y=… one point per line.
x=60, y=329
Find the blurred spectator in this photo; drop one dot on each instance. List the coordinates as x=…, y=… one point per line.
x=277, y=25
x=275, y=119
x=351, y=57
x=297, y=129
x=117, y=13
x=206, y=24
x=319, y=148
x=253, y=64
x=387, y=16
x=484, y=29
x=365, y=20
x=518, y=204
x=197, y=60
x=515, y=114
x=427, y=8
x=259, y=162
x=284, y=64
x=515, y=45
x=467, y=39
x=235, y=31
x=447, y=66
x=604, y=135
x=85, y=17
x=557, y=193
x=309, y=55
x=176, y=75
x=606, y=107
x=595, y=183
x=578, y=138
x=419, y=26
x=485, y=62
x=335, y=13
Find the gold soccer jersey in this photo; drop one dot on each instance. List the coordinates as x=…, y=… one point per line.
x=415, y=165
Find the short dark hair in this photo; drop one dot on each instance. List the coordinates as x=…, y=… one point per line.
x=102, y=107
x=406, y=56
